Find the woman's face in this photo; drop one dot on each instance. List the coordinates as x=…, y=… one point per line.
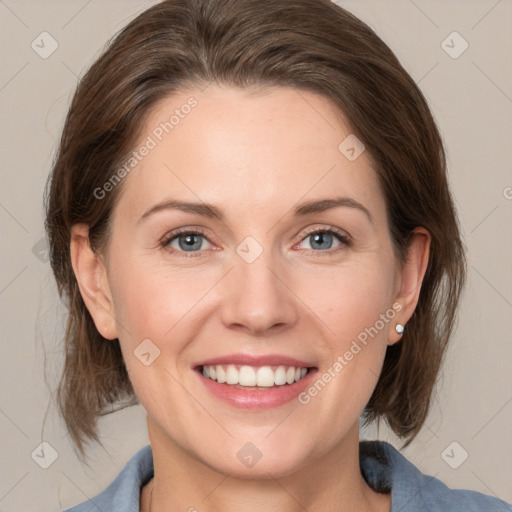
x=246, y=284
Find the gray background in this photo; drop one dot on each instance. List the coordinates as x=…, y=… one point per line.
x=471, y=97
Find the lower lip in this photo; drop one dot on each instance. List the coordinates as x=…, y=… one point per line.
x=255, y=398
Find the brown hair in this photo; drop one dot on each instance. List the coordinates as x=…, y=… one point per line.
x=312, y=45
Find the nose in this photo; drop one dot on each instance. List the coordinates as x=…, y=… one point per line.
x=257, y=298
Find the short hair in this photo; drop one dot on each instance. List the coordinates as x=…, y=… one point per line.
x=310, y=45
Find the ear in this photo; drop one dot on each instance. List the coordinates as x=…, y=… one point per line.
x=410, y=279
x=92, y=281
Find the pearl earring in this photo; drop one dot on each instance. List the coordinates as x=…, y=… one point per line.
x=399, y=328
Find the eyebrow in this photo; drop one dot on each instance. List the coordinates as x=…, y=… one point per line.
x=213, y=212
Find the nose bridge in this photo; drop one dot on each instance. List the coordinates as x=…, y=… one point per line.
x=257, y=297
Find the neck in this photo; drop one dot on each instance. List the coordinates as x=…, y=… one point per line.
x=333, y=481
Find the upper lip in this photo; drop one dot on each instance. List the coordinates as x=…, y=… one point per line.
x=251, y=360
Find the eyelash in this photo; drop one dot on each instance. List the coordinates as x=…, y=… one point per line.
x=340, y=235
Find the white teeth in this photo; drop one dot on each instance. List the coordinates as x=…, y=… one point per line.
x=231, y=375
x=221, y=374
x=263, y=376
x=280, y=376
x=247, y=376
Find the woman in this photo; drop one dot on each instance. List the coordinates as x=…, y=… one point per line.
x=250, y=218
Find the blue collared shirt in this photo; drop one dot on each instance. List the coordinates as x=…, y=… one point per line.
x=383, y=467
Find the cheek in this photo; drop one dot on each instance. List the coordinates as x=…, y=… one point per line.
x=154, y=301
x=348, y=305
x=356, y=305
x=351, y=299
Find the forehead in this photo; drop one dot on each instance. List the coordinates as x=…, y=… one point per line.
x=248, y=149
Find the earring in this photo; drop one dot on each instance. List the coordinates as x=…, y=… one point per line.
x=399, y=328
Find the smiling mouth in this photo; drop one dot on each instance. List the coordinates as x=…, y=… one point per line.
x=253, y=377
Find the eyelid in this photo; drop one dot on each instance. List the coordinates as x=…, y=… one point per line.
x=326, y=228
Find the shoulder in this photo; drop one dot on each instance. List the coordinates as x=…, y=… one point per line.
x=123, y=494
x=385, y=468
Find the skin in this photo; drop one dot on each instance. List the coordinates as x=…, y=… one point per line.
x=255, y=156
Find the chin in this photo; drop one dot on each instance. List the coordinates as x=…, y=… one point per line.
x=256, y=460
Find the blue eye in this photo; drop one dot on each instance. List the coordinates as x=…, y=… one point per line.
x=190, y=243
x=321, y=240
x=185, y=241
